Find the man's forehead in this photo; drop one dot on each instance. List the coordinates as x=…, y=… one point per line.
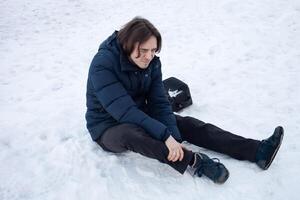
x=148, y=45
x=148, y=48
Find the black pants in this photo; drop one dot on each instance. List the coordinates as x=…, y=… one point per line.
x=131, y=137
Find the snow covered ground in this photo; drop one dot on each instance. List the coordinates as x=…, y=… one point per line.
x=241, y=60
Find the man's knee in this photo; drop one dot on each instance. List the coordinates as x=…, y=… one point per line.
x=115, y=138
x=124, y=134
x=132, y=134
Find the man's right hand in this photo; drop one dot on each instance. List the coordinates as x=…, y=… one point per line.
x=175, y=149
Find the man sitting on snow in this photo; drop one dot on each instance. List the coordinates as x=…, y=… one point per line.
x=127, y=109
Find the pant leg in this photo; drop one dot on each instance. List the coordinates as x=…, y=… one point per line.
x=131, y=137
x=214, y=138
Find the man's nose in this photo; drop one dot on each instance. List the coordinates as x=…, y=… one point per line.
x=149, y=55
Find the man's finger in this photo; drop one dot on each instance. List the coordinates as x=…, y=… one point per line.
x=181, y=154
x=170, y=157
x=174, y=155
x=177, y=155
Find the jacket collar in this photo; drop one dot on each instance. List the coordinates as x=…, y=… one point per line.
x=126, y=64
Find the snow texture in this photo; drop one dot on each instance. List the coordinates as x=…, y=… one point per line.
x=241, y=60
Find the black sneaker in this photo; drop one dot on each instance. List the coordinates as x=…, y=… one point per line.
x=268, y=148
x=212, y=168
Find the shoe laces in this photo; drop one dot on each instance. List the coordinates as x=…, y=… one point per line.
x=204, y=163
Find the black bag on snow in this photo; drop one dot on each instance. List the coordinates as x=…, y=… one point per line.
x=178, y=93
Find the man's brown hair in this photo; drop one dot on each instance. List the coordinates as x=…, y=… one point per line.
x=138, y=30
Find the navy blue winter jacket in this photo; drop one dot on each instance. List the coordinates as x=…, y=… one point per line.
x=118, y=91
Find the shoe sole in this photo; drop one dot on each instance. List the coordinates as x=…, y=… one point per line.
x=276, y=150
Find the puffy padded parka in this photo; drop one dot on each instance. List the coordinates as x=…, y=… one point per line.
x=118, y=91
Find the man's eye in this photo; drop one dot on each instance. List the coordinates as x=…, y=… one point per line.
x=143, y=51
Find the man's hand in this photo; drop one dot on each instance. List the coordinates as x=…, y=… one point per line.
x=175, y=149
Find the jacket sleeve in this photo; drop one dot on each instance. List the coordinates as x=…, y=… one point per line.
x=159, y=104
x=119, y=104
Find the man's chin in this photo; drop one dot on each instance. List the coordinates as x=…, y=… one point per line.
x=144, y=65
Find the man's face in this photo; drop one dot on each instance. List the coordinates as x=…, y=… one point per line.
x=146, y=51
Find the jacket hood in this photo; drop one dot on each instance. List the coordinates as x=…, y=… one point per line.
x=111, y=44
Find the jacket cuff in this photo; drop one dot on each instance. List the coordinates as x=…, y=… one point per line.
x=166, y=135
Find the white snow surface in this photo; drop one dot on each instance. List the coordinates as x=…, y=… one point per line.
x=241, y=60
